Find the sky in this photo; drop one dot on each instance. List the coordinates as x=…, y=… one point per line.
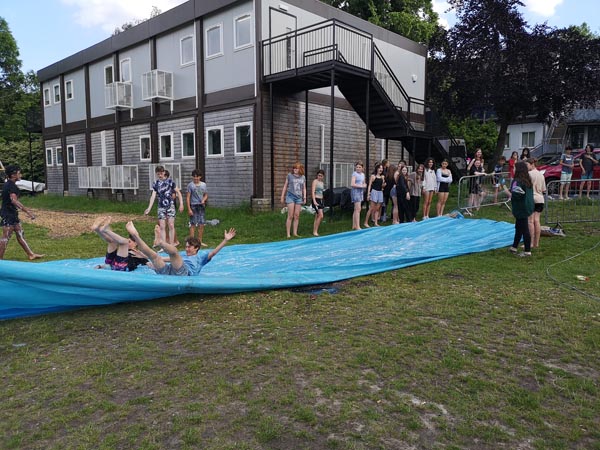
x=47, y=31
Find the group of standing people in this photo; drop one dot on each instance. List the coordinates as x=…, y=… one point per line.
x=386, y=182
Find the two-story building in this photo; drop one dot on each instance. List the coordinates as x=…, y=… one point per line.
x=240, y=89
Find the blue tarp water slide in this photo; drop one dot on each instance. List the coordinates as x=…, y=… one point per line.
x=36, y=288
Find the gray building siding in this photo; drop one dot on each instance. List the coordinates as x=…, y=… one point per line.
x=75, y=108
x=235, y=67
x=54, y=177
x=78, y=141
x=229, y=178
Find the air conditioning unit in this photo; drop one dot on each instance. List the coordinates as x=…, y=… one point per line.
x=157, y=85
x=118, y=95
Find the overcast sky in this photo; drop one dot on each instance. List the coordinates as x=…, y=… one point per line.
x=47, y=31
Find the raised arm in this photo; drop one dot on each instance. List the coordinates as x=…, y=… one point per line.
x=151, y=202
x=227, y=236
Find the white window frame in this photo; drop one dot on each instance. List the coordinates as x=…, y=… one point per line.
x=235, y=138
x=193, y=133
x=59, y=155
x=221, y=129
x=70, y=151
x=56, y=95
x=146, y=136
x=528, y=133
x=128, y=62
x=237, y=20
x=47, y=98
x=69, y=90
x=209, y=29
x=49, y=157
x=160, y=147
x=112, y=74
x=507, y=141
x=183, y=63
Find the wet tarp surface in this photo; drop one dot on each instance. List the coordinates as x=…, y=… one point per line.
x=35, y=288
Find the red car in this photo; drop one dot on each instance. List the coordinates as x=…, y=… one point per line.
x=552, y=172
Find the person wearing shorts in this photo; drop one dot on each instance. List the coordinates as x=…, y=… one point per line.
x=317, y=189
x=587, y=163
x=189, y=264
x=357, y=193
x=566, y=162
x=121, y=253
x=164, y=189
x=293, y=195
x=539, y=190
x=196, y=198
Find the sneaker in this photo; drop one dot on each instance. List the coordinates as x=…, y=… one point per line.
x=524, y=254
x=513, y=250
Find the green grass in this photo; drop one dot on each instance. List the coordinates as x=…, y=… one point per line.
x=483, y=351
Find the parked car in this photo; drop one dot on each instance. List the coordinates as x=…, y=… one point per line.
x=552, y=171
x=548, y=158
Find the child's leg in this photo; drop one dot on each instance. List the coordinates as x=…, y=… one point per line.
x=6, y=234
x=174, y=257
x=23, y=243
x=154, y=257
x=115, y=242
x=171, y=226
x=290, y=216
x=297, y=208
x=193, y=229
x=200, y=229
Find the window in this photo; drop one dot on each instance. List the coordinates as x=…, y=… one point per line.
x=188, y=149
x=214, y=41
x=528, y=139
x=57, y=93
x=49, y=158
x=47, y=100
x=126, y=69
x=145, y=153
x=108, y=75
x=214, y=141
x=593, y=136
x=507, y=141
x=242, y=26
x=69, y=90
x=59, y=156
x=166, y=149
x=70, y=155
x=187, y=50
x=243, y=138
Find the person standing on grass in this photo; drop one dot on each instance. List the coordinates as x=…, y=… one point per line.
x=525, y=155
x=514, y=157
x=189, y=265
x=444, y=179
x=586, y=163
x=357, y=192
x=316, y=193
x=403, y=195
x=566, y=172
x=386, y=189
x=121, y=253
x=429, y=186
x=196, y=198
x=522, y=207
x=293, y=195
x=375, y=195
x=415, y=182
x=164, y=189
x=10, y=213
x=539, y=190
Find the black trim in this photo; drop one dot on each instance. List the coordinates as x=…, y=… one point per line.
x=228, y=96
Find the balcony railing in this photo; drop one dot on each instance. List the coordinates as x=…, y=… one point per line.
x=108, y=177
x=157, y=85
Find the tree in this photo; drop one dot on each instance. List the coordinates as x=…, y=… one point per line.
x=414, y=19
x=127, y=25
x=492, y=60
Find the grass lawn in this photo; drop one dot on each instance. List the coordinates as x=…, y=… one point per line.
x=484, y=351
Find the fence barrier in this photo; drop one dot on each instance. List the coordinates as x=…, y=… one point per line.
x=477, y=191
x=578, y=208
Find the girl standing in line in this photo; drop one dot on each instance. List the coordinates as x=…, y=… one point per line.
x=357, y=194
x=375, y=195
x=416, y=186
x=514, y=157
x=316, y=193
x=477, y=157
x=444, y=179
x=390, y=180
x=525, y=154
x=429, y=186
x=522, y=207
x=293, y=195
x=403, y=194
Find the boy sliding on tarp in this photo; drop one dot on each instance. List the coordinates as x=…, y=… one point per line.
x=191, y=264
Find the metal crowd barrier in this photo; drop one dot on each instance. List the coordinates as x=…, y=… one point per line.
x=577, y=208
x=477, y=191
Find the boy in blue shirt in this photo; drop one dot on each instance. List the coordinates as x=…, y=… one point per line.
x=188, y=265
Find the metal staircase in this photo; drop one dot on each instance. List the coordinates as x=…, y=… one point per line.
x=308, y=58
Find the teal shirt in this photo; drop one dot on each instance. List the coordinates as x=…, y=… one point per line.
x=522, y=204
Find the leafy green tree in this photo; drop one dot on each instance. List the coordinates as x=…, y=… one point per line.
x=492, y=60
x=477, y=134
x=414, y=19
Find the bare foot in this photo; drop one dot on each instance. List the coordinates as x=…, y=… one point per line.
x=35, y=256
x=130, y=227
x=157, y=239
x=296, y=235
x=96, y=225
x=202, y=244
x=105, y=224
x=366, y=225
x=315, y=234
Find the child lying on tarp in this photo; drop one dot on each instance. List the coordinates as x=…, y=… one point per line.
x=121, y=253
x=191, y=264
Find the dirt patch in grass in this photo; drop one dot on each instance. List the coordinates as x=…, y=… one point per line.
x=62, y=224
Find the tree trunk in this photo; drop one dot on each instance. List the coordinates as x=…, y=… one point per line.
x=499, y=143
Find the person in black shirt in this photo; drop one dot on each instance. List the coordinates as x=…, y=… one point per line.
x=10, y=213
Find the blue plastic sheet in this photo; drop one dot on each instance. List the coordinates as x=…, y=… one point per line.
x=30, y=288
